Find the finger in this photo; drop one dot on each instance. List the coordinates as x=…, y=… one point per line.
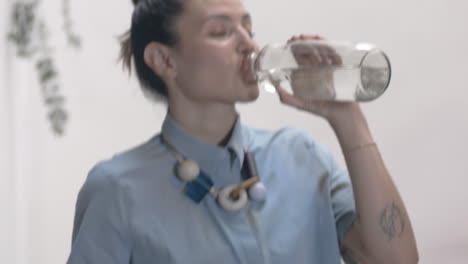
x=306, y=54
x=293, y=38
x=326, y=55
x=318, y=107
x=310, y=105
x=322, y=52
x=311, y=36
x=319, y=57
x=288, y=98
x=336, y=58
x=329, y=56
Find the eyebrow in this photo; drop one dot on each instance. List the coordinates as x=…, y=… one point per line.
x=245, y=17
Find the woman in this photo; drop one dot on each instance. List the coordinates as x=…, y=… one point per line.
x=143, y=206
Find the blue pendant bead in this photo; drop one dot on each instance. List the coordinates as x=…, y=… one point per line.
x=197, y=189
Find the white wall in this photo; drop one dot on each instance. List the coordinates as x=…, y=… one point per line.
x=5, y=136
x=420, y=123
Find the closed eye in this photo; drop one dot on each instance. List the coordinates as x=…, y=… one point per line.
x=221, y=33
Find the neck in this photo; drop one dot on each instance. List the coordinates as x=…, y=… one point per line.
x=211, y=124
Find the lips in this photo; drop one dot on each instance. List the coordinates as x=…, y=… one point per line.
x=247, y=72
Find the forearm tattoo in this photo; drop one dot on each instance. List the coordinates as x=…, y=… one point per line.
x=392, y=221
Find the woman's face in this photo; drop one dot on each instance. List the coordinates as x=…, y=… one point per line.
x=214, y=39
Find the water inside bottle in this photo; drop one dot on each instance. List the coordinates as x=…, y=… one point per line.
x=345, y=82
x=352, y=83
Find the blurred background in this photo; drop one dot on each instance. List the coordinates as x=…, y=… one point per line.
x=65, y=104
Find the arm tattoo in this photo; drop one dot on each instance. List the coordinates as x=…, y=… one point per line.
x=391, y=221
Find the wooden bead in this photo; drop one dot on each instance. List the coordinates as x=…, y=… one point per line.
x=244, y=186
x=226, y=201
x=188, y=170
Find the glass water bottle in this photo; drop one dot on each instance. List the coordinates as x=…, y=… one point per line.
x=323, y=70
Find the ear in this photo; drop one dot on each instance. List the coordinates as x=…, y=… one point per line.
x=157, y=56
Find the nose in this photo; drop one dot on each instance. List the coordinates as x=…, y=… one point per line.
x=246, y=43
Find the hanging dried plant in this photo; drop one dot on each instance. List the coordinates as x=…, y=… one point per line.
x=73, y=39
x=23, y=18
x=30, y=36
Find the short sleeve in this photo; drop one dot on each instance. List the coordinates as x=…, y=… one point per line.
x=343, y=202
x=340, y=190
x=100, y=229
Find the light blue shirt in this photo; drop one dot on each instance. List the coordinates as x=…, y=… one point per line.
x=131, y=208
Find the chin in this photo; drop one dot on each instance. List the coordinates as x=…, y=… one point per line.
x=254, y=94
x=251, y=93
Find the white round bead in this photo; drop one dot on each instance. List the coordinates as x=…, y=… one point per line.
x=188, y=170
x=257, y=192
x=226, y=202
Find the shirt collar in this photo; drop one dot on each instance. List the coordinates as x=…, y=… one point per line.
x=193, y=148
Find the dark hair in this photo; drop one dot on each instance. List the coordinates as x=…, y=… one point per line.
x=152, y=20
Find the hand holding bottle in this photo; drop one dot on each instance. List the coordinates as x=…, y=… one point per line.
x=313, y=78
x=319, y=56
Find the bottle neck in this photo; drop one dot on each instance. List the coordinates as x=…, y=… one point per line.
x=250, y=66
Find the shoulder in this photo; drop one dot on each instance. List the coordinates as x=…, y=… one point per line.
x=290, y=140
x=285, y=137
x=139, y=156
x=117, y=170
